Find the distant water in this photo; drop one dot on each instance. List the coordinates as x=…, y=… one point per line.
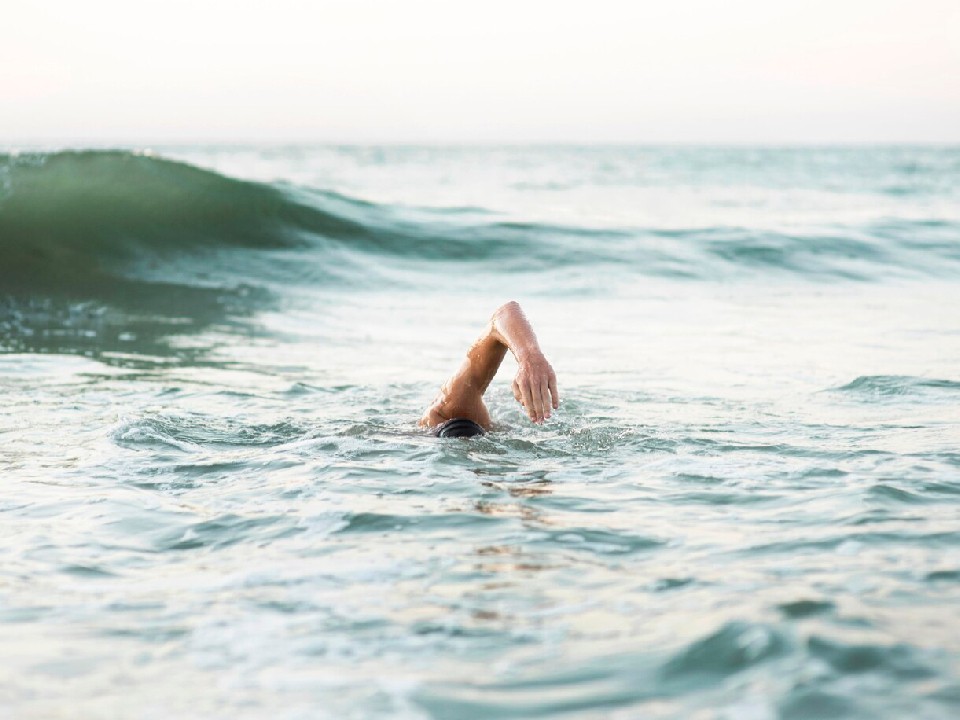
x=217, y=503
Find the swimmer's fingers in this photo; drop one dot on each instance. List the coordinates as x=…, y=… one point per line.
x=536, y=403
x=545, y=399
x=552, y=384
x=523, y=392
x=530, y=399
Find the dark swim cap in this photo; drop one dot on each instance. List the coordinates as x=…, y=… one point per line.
x=458, y=427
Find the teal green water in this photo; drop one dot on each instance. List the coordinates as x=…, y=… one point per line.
x=217, y=502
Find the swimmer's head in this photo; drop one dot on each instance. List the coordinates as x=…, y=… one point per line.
x=458, y=427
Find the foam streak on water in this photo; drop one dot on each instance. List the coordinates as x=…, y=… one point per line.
x=217, y=503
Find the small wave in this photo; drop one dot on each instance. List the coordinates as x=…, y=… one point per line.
x=943, y=576
x=194, y=432
x=368, y=522
x=896, y=661
x=228, y=529
x=845, y=255
x=897, y=385
x=74, y=220
x=733, y=648
x=601, y=542
x=799, y=609
x=892, y=494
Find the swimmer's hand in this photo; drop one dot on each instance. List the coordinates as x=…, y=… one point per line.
x=535, y=387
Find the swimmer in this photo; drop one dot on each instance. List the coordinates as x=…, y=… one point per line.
x=458, y=410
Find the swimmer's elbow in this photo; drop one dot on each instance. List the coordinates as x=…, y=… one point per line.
x=508, y=308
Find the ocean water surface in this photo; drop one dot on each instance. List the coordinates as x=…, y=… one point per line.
x=217, y=503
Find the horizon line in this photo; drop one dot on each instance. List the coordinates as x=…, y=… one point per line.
x=90, y=143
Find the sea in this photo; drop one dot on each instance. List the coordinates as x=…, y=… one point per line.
x=216, y=501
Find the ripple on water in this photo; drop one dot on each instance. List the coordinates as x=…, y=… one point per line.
x=568, y=686
x=898, y=662
x=188, y=432
x=732, y=649
x=372, y=522
x=592, y=540
x=229, y=529
x=799, y=609
x=874, y=387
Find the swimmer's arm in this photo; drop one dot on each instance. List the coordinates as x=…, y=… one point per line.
x=534, y=386
x=462, y=395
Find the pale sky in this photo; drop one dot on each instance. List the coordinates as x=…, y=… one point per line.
x=447, y=71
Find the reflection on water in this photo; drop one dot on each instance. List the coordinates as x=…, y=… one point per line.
x=535, y=488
